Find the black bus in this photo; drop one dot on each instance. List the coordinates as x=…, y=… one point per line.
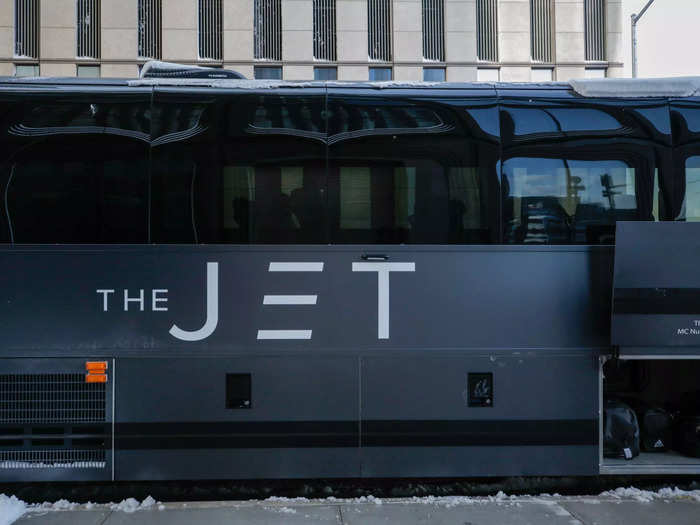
x=216, y=278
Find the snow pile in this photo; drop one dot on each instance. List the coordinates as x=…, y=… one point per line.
x=130, y=505
x=647, y=496
x=11, y=509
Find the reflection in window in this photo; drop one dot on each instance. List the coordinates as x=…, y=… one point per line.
x=559, y=201
x=691, y=204
x=421, y=202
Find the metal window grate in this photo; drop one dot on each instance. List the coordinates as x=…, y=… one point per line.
x=487, y=30
x=88, y=28
x=21, y=459
x=51, y=398
x=595, y=29
x=267, y=26
x=541, y=30
x=379, y=22
x=27, y=28
x=150, y=23
x=211, y=30
x=324, y=30
x=434, y=30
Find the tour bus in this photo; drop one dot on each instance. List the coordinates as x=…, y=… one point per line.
x=224, y=278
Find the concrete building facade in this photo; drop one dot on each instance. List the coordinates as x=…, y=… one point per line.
x=461, y=27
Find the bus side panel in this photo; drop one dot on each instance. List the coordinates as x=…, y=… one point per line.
x=535, y=414
x=248, y=417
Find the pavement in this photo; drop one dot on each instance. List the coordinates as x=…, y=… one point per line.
x=626, y=508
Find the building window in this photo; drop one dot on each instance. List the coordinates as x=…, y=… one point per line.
x=27, y=28
x=434, y=30
x=210, y=30
x=150, y=16
x=594, y=11
x=88, y=28
x=434, y=74
x=267, y=29
x=379, y=30
x=542, y=74
x=541, y=35
x=325, y=73
x=26, y=70
x=267, y=72
x=490, y=74
x=324, y=30
x=380, y=73
x=88, y=71
x=487, y=30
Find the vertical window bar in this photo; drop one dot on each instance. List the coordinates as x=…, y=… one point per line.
x=324, y=36
x=149, y=28
x=379, y=36
x=541, y=30
x=26, y=29
x=210, y=30
x=487, y=30
x=88, y=28
x=595, y=29
x=267, y=15
x=433, y=30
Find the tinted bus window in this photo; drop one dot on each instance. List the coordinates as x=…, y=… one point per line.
x=412, y=171
x=686, y=157
x=74, y=170
x=246, y=168
x=572, y=169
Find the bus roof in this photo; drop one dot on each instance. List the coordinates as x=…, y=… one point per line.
x=589, y=88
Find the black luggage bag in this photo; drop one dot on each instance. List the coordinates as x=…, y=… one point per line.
x=620, y=430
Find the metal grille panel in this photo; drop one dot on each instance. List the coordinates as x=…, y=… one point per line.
x=595, y=29
x=211, y=30
x=379, y=25
x=27, y=28
x=487, y=30
x=69, y=459
x=88, y=28
x=434, y=30
x=268, y=29
x=51, y=398
x=150, y=23
x=324, y=30
x=541, y=30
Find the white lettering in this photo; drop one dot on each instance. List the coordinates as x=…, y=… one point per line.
x=212, y=319
x=683, y=331
x=105, y=298
x=138, y=299
x=155, y=300
x=383, y=269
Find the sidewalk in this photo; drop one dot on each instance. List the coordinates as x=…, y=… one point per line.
x=621, y=507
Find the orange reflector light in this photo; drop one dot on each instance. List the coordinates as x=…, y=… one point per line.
x=95, y=378
x=96, y=366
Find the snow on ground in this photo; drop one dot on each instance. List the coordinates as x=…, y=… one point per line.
x=11, y=509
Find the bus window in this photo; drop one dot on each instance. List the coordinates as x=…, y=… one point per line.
x=77, y=173
x=573, y=168
x=247, y=169
x=691, y=204
x=566, y=201
x=411, y=172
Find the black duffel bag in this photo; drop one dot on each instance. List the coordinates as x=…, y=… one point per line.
x=620, y=430
x=686, y=435
x=655, y=425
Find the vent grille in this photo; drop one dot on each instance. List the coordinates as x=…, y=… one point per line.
x=210, y=30
x=487, y=30
x=51, y=398
x=379, y=18
x=541, y=30
x=27, y=28
x=88, y=28
x=595, y=29
x=434, y=30
x=324, y=30
x=150, y=21
x=267, y=25
x=68, y=459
